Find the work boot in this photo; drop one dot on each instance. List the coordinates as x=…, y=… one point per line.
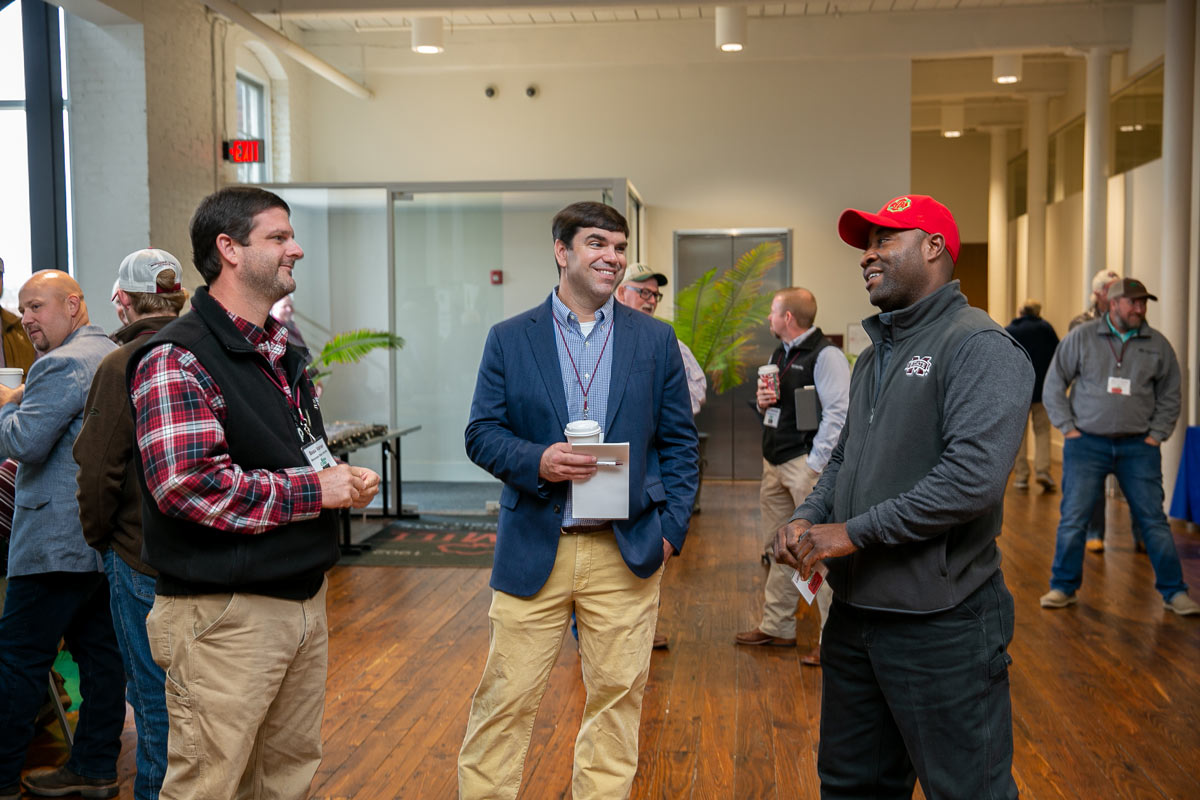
x=60, y=782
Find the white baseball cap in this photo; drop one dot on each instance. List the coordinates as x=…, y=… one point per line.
x=139, y=271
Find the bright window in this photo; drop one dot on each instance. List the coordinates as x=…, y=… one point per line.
x=15, y=246
x=252, y=124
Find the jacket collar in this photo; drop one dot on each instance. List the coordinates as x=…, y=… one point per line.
x=227, y=334
x=908, y=320
x=140, y=327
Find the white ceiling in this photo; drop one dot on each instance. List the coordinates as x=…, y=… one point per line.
x=390, y=15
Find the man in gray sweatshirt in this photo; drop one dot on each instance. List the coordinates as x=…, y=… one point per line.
x=905, y=516
x=1124, y=401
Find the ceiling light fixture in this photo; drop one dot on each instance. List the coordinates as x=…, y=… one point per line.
x=952, y=121
x=1006, y=68
x=427, y=35
x=731, y=28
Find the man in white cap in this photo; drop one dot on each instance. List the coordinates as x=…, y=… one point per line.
x=149, y=295
x=640, y=290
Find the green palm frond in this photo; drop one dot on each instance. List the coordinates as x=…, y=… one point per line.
x=351, y=347
x=714, y=315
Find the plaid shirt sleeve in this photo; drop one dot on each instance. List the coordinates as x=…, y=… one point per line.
x=180, y=414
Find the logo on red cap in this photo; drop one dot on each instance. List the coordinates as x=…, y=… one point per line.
x=898, y=205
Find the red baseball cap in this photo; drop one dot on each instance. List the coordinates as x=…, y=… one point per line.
x=904, y=213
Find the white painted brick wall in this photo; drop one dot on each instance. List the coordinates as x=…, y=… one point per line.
x=183, y=142
x=108, y=155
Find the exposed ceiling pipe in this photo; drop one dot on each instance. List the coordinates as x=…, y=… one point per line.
x=286, y=46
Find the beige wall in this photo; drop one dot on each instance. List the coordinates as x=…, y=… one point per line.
x=709, y=145
x=956, y=172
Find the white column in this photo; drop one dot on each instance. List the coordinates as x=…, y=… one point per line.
x=1000, y=304
x=1038, y=138
x=1095, y=172
x=1173, y=293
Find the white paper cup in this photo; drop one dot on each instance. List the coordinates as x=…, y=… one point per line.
x=584, y=431
x=11, y=376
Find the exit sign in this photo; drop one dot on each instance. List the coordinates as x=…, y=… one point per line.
x=244, y=151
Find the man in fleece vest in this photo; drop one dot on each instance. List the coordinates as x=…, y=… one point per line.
x=906, y=516
x=238, y=499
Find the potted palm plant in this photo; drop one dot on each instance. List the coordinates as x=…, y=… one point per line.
x=716, y=315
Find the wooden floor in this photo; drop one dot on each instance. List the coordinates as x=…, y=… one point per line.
x=1106, y=695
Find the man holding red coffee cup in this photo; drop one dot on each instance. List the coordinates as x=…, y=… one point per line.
x=802, y=394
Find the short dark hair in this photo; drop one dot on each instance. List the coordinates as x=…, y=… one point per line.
x=230, y=211
x=587, y=214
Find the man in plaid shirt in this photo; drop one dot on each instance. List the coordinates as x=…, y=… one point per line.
x=238, y=511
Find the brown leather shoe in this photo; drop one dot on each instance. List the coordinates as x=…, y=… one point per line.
x=756, y=637
x=660, y=641
x=812, y=658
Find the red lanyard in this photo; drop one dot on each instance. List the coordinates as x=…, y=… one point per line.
x=789, y=364
x=303, y=430
x=578, y=379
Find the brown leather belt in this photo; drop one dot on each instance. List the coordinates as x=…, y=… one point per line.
x=595, y=527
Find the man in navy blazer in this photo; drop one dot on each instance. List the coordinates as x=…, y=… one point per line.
x=577, y=356
x=56, y=583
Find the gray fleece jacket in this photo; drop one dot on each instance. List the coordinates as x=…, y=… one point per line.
x=1084, y=361
x=937, y=409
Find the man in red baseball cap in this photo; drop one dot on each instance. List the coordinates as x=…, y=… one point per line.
x=905, y=518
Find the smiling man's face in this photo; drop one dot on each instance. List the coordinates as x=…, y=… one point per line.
x=893, y=268
x=592, y=266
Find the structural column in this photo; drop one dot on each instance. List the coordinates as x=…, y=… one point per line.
x=1095, y=172
x=1000, y=304
x=1037, y=132
x=1174, y=290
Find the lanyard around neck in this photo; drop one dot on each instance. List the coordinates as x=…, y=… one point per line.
x=578, y=379
x=303, y=429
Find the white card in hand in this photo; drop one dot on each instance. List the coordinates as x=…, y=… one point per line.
x=808, y=590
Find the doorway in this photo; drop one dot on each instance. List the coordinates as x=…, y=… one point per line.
x=731, y=420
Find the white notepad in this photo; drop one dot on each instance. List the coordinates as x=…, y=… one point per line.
x=605, y=495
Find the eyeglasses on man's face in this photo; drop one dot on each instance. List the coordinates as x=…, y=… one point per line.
x=649, y=294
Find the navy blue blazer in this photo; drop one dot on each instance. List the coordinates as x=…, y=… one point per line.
x=520, y=408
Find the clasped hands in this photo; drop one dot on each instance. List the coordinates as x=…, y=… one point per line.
x=344, y=486
x=800, y=545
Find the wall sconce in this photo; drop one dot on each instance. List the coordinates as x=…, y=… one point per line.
x=952, y=121
x=731, y=28
x=1006, y=68
x=427, y=35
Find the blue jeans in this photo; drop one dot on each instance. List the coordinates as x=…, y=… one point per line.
x=1087, y=461
x=131, y=595
x=38, y=611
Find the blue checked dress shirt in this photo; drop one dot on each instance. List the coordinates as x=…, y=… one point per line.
x=593, y=366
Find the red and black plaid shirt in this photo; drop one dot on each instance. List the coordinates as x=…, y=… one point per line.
x=180, y=423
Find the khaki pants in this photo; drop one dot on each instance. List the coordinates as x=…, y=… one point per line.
x=615, y=611
x=245, y=693
x=783, y=489
x=1041, y=446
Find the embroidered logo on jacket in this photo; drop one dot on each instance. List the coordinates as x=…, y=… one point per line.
x=919, y=366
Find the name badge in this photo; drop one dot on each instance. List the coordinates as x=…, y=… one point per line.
x=771, y=417
x=1119, y=385
x=318, y=455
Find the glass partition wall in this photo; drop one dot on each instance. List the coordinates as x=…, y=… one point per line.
x=437, y=264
